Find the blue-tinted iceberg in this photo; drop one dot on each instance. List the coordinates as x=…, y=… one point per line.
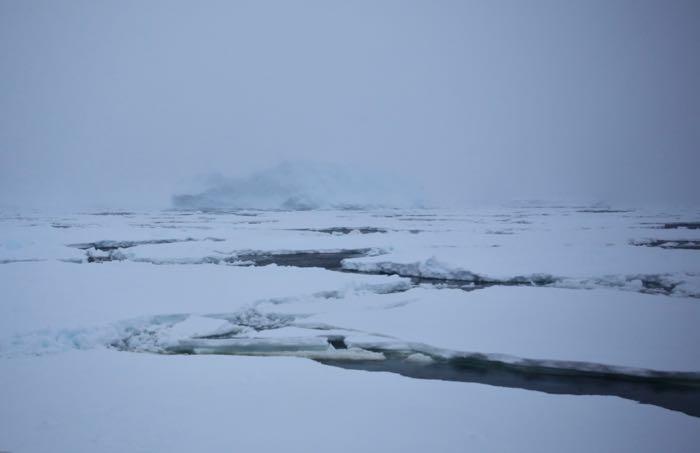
x=303, y=186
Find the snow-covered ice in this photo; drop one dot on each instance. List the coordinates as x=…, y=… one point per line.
x=181, y=330
x=87, y=401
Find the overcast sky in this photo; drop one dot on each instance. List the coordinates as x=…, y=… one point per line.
x=120, y=103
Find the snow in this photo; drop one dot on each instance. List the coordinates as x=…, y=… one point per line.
x=600, y=326
x=145, y=331
x=684, y=284
x=79, y=295
x=108, y=401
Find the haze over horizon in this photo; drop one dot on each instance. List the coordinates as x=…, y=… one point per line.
x=365, y=225
x=128, y=103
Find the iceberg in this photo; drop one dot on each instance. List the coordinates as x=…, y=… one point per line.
x=302, y=186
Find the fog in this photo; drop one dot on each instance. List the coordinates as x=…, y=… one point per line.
x=126, y=103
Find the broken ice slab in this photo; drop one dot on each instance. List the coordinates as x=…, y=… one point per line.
x=308, y=347
x=687, y=225
x=345, y=230
x=327, y=259
x=196, y=326
x=676, y=244
x=250, y=346
x=109, y=245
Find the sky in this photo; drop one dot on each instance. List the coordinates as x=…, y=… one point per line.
x=124, y=103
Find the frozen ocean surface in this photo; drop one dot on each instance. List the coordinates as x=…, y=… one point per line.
x=530, y=327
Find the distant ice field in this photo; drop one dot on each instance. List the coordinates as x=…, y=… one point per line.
x=581, y=312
